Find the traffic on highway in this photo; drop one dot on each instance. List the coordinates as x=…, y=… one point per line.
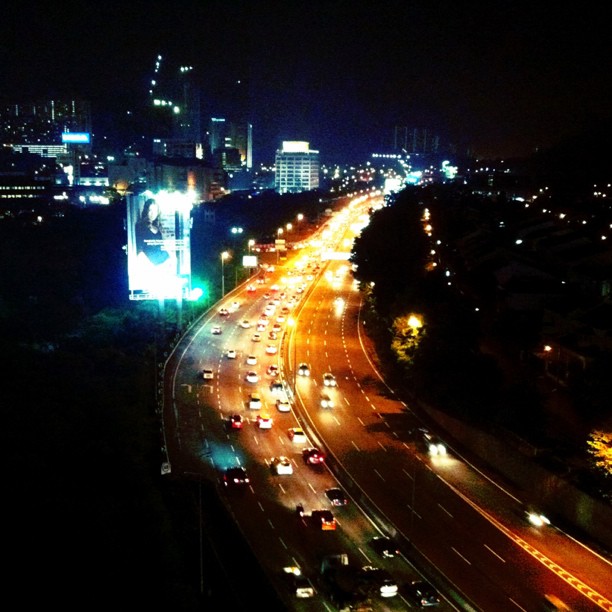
x=349, y=498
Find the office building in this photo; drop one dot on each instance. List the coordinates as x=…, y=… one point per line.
x=297, y=168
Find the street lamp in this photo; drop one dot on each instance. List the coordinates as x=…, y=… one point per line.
x=224, y=256
x=251, y=244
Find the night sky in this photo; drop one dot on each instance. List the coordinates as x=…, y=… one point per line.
x=503, y=78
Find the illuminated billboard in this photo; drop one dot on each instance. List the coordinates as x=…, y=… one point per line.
x=76, y=138
x=249, y=261
x=159, y=253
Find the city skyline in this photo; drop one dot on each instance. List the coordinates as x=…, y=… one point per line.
x=495, y=79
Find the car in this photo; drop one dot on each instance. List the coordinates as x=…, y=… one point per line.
x=245, y=324
x=283, y=405
x=235, y=421
x=255, y=401
x=326, y=401
x=296, y=434
x=280, y=319
x=432, y=444
x=276, y=327
x=303, y=369
x=207, y=374
x=422, y=594
x=224, y=312
x=216, y=330
x=252, y=377
x=271, y=349
x=281, y=465
x=235, y=477
x=272, y=336
x=231, y=354
x=260, y=327
x=336, y=496
x=536, y=518
x=380, y=580
x=251, y=360
x=298, y=583
x=251, y=288
x=234, y=307
x=313, y=456
x=323, y=519
x=256, y=337
x=384, y=546
x=272, y=370
x=329, y=380
x=264, y=421
x=277, y=388
x=263, y=321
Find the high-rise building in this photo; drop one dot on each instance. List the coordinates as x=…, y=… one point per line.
x=297, y=167
x=176, y=115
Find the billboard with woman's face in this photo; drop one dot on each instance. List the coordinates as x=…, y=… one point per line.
x=159, y=254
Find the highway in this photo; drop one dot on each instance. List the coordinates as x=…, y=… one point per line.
x=456, y=527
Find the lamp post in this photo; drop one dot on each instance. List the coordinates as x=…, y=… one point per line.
x=279, y=233
x=224, y=256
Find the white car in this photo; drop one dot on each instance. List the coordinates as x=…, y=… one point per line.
x=231, y=354
x=283, y=405
x=277, y=388
x=207, y=374
x=256, y=338
x=245, y=324
x=216, y=330
x=252, y=377
x=271, y=349
x=251, y=360
x=282, y=465
x=264, y=421
x=255, y=402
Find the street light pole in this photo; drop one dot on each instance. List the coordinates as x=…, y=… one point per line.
x=224, y=256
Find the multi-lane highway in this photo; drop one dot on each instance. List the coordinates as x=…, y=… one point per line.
x=455, y=526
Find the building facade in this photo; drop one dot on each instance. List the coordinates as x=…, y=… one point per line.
x=297, y=168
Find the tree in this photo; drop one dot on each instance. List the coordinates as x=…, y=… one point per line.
x=600, y=447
